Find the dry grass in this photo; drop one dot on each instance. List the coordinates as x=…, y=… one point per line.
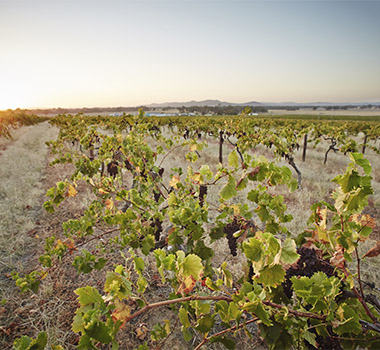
x=21, y=190
x=23, y=162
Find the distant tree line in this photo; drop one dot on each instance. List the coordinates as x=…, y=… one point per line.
x=202, y=110
x=221, y=110
x=334, y=108
x=85, y=110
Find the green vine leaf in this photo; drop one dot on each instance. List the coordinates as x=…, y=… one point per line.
x=233, y=160
x=229, y=190
x=183, y=317
x=192, y=266
x=88, y=295
x=289, y=253
x=100, y=332
x=271, y=276
x=26, y=343
x=253, y=249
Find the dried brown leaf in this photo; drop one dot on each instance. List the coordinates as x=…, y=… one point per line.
x=142, y=331
x=375, y=251
x=338, y=258
x=364, y=220
x=254, y=171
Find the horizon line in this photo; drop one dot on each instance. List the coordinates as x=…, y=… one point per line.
x=168, y=104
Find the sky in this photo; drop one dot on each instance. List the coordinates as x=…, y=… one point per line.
x=108, y=53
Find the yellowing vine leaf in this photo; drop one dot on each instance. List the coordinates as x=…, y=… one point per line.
x=187, y=285
x=119, y=138
x=71, y=192
x=236, y=209
x=174, y=181
x=109, y=204
x=121, y=312
x=321, y=234
x=196, y=178
x=59, y=244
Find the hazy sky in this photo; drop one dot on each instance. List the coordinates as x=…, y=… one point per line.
x=77, y=53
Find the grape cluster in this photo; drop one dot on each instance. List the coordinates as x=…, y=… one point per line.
x=251, y=273
x=202, y=193
x=308, y=264
x=156, y=195
x=229, y=230
x=128, y=165
x=157, y=223
x=112, y=168
x=328, y=343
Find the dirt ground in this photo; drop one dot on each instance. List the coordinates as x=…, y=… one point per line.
x=25, y=175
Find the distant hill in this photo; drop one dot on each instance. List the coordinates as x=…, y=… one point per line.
x=214, y=103
x=320, y=104
x=210, y=103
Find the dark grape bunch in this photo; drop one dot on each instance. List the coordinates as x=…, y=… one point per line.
x=251, y=273
x=112, y=168
x=328, y=343
x=157, y=223
x=202, y=193
x=156, y=195
x=229, y=230
x=309, y=263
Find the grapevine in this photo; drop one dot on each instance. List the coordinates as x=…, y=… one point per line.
x=300, y=290
x=14, y=119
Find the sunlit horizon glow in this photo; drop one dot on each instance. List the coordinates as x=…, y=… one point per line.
x=102, y=53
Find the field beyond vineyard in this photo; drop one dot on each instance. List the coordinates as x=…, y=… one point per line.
x=26, y=176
